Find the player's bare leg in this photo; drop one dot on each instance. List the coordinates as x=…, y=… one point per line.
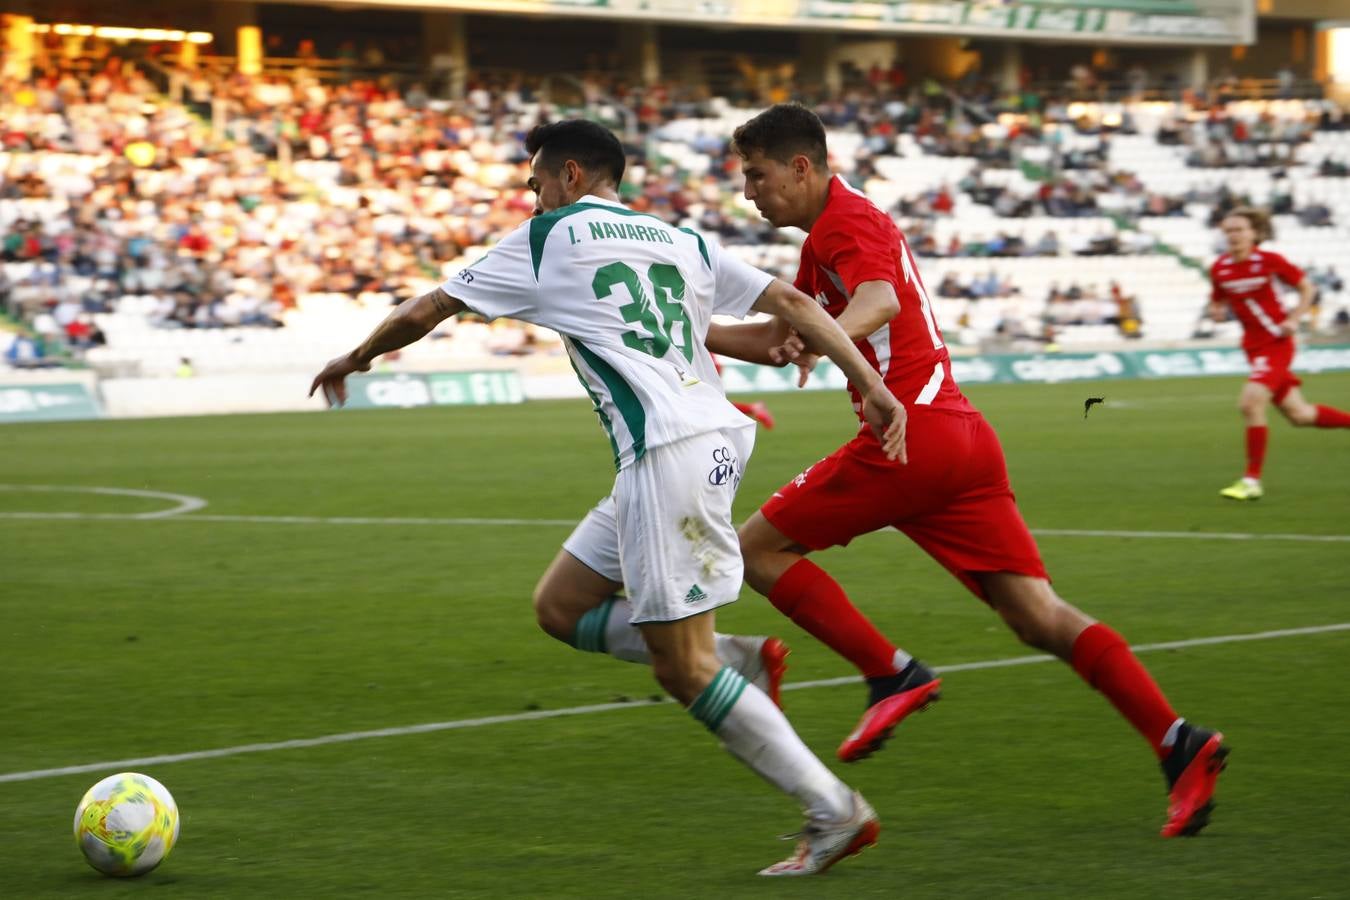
x=1191, y=757
x=755, y=731
x=1303, y=414
x=578, y=606
x=566, y=591
x=1252, y=403
x=1034, y=612
x=898, y=684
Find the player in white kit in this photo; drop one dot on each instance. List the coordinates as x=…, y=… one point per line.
x=632, y=298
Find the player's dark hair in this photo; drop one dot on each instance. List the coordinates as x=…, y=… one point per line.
x=589, y=144
x=781, y=132
x=1259, y=219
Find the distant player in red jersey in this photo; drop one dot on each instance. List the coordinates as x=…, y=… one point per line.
x=1243, y=281
x=952, y=496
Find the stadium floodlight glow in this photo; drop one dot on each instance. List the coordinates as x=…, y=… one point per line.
x=121, y=33
x=1338, y=55
x=117, y=34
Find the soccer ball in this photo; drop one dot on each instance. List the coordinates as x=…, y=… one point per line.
x=126, y=824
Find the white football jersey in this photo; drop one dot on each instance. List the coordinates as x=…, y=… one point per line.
x=632, y=298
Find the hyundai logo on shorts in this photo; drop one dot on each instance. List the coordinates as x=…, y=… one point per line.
x=725, y=470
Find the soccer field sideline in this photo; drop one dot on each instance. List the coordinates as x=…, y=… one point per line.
x=187, y=506
x=457, y=724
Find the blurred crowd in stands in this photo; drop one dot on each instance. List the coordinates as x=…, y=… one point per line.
x=228, y=199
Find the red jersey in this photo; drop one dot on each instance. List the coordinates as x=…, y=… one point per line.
x=852, y=242
x=1248, y=287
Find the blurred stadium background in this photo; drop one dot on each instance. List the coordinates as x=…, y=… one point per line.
x=202, y=202
x=237, y=190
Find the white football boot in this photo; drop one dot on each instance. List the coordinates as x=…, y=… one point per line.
x=822, y=844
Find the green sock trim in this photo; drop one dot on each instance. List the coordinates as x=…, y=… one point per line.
x=591, y=628
x=713, y=705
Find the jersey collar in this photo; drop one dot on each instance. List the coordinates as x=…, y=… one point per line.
x=591, y=198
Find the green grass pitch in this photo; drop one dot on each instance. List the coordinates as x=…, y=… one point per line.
x=122, y=639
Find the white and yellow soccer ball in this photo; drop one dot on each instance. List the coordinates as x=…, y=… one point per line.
x=126, y=824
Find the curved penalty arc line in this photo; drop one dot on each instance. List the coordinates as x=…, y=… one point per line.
x=183, y=503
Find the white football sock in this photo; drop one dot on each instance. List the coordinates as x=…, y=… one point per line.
x=605, y=629
x=625, y=641
x=758, y=734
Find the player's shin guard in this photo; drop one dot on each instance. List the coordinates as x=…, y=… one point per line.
x=758, y=734
x=1257, y=436
x=1327, y=417
x=808, y=596
x=1103, y=659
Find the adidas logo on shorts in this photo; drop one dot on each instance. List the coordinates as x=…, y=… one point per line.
x=695, y=595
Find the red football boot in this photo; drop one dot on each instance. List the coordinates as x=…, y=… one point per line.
x=893, y=698
x=1192, y=770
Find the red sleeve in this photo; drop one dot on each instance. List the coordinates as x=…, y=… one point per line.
x=803, y=280
x=858, y=250
x=1289, y=273
x=1214, y=283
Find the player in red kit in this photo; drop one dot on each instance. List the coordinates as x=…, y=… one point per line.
x=1243, y=281
x=952, y=495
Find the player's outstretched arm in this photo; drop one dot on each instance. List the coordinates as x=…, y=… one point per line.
x=822, y=333
x=410, y=321
x=871, y=306
x=770, y=343
x=751, y=342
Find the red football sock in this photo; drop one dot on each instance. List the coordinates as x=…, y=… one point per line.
x=816, y=602
x=1331, y=418
x=1256, y=449
x=1103, y=659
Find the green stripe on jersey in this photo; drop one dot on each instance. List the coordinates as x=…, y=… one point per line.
x=599, y=411
x=540, y=226
x=702, y=247
x=634, y=416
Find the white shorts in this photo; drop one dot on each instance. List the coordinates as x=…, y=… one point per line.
x=595, y=541
x=666, y=532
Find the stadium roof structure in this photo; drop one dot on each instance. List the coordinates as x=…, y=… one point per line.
x=1114, y=21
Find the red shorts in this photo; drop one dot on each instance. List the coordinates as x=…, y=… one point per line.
x=952, y=498
x=1270, y=368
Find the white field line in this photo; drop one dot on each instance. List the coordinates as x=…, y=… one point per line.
x=1181, y=535
x=293, y=520
x=185, y=505
x=183, y=502
x=457, y=724
x=570, y=523
x=1145, y=402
